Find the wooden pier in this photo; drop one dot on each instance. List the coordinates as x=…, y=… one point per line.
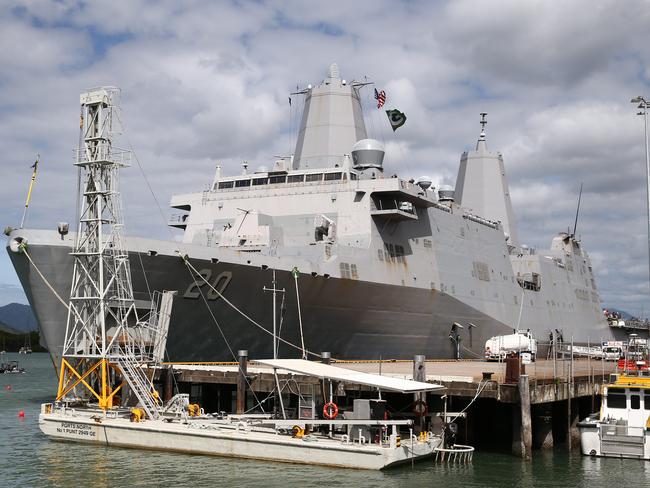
x=505, y=406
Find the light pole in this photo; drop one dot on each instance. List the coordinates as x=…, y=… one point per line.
x=644, y=105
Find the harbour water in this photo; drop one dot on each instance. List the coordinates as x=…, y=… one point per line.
x=28, y=459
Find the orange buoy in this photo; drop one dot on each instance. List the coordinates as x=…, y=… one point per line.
x=21, y=414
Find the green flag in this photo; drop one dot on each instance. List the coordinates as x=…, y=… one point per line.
x=396, y=118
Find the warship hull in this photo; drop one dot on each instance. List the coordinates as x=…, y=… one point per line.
x=353, y=319
x=387, y=267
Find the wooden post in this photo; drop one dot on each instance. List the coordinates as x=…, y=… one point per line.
x=420, y=374
x=241, y=381
x=168, y=384
x=526, y=434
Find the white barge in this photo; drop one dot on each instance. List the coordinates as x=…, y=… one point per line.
x=358, y=441
x=265, y=439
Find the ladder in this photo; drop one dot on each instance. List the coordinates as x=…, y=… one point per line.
x=140, y=385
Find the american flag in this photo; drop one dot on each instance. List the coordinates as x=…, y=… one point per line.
x=380, y=97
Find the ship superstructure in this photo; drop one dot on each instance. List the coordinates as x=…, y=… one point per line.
x=387, y=267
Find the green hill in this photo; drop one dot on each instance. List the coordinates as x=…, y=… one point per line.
x=5, y=328
x=12, y=342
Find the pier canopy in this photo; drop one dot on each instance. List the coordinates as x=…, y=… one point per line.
x=326, y=371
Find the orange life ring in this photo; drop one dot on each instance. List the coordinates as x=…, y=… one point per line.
x=330, y=410
x=420, y=408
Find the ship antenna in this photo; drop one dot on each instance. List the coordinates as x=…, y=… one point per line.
x=575, y=224
x=483, y=124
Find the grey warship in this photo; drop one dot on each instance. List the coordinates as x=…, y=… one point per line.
x=386, y=267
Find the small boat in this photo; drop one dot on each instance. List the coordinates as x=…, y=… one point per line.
x=11, y=367
x=622, y=427
x=27, y=348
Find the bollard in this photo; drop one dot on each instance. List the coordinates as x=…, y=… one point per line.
x=326, y=357
x=241, y=381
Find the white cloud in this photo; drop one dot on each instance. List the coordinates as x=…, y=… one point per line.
x=208, y=81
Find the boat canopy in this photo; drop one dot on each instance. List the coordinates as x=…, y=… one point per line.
x=326, y=371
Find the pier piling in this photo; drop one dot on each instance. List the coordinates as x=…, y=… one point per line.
x=523, y=433
x=241, y=381
x=420, y=374
x=526, y=414
x=168, y=383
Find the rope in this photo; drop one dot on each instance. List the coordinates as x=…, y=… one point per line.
x=243, y=314
x=479, y=390
x=223, y=336
x=47, y=283
x=478, y=356
x=302, y=337
x=144, y=274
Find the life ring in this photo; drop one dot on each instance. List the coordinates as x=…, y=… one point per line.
x=330, y=410
x=420, y=408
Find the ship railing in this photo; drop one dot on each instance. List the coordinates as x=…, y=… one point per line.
x=569, y=366
x=442, y=207
x=103, y=152
x=481, y=220
x=620, y=430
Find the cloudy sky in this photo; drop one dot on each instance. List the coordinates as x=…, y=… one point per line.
x=205, y=82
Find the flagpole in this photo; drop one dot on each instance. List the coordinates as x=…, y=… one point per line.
x=29, y=192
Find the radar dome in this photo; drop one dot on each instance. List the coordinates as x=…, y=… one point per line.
x=424, y=182
x=368, y=153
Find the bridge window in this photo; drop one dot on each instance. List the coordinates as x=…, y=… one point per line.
x=332, y=176
x=616, y=398
x=296, y=178
x=226, y=184
x=240, y=183
x=277, y=179
x=315, y=177
x=260, y=181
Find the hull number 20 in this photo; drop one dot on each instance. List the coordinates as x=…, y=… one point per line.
x=219, y=283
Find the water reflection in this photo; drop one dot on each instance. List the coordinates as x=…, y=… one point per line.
x=28, y=459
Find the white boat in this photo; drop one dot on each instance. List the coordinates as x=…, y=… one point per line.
x=622, y=427
x=354, y=442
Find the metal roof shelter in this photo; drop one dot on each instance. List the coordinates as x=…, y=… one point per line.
x=326, y=371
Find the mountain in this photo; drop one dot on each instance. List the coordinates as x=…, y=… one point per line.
x=10, y=330
x=19, y=317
